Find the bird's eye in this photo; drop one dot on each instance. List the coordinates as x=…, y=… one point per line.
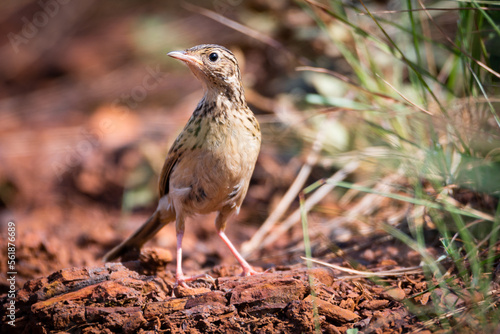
x=213, y=56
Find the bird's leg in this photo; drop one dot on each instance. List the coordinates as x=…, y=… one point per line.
x=220, y=224
x=247, y=269
x=180, y=278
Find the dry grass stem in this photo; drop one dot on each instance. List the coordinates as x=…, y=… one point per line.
x=317, y=196
x=291, y=194
x=359, y=273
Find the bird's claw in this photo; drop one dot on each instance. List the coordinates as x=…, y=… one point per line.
x=250, y=272
x=180, y=280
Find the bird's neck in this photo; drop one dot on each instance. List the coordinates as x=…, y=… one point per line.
x=219, y=100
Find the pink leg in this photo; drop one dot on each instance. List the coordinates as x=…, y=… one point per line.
x=180, y=278
x=247, y=269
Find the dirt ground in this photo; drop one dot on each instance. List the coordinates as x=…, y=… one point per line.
x=86, y=117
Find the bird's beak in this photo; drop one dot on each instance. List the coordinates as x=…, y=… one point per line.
x=185, y=57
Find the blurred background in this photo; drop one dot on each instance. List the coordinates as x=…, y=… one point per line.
x=90, y=104
x=395, y=104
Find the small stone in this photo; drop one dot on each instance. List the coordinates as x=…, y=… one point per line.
x=374, y=304
x=181, y=291
x=334, y=312
x=394, y=293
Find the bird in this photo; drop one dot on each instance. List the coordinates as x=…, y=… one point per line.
x=209, y=166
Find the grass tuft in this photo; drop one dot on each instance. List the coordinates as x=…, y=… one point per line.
x=425, y=95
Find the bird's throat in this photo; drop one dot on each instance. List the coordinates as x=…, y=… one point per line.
x=218, y=103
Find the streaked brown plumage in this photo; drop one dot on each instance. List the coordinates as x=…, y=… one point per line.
x=208, y=168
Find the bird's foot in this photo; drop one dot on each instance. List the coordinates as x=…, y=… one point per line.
x=181, y=289
x=249, y=271
x=181, y=279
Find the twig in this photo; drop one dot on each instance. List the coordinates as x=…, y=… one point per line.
x=359, y=273
x=243, y=29
x=426, y=9
x=404, y=97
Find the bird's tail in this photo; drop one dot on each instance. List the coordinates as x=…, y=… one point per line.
x=147, y=231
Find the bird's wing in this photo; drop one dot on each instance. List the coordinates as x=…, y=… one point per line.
x=173, y=156
x=171, y=160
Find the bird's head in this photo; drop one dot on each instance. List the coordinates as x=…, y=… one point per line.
x=214, y=65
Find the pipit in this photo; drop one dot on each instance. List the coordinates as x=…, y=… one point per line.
x=208, y=167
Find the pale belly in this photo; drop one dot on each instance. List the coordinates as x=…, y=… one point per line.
x=205, y=180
